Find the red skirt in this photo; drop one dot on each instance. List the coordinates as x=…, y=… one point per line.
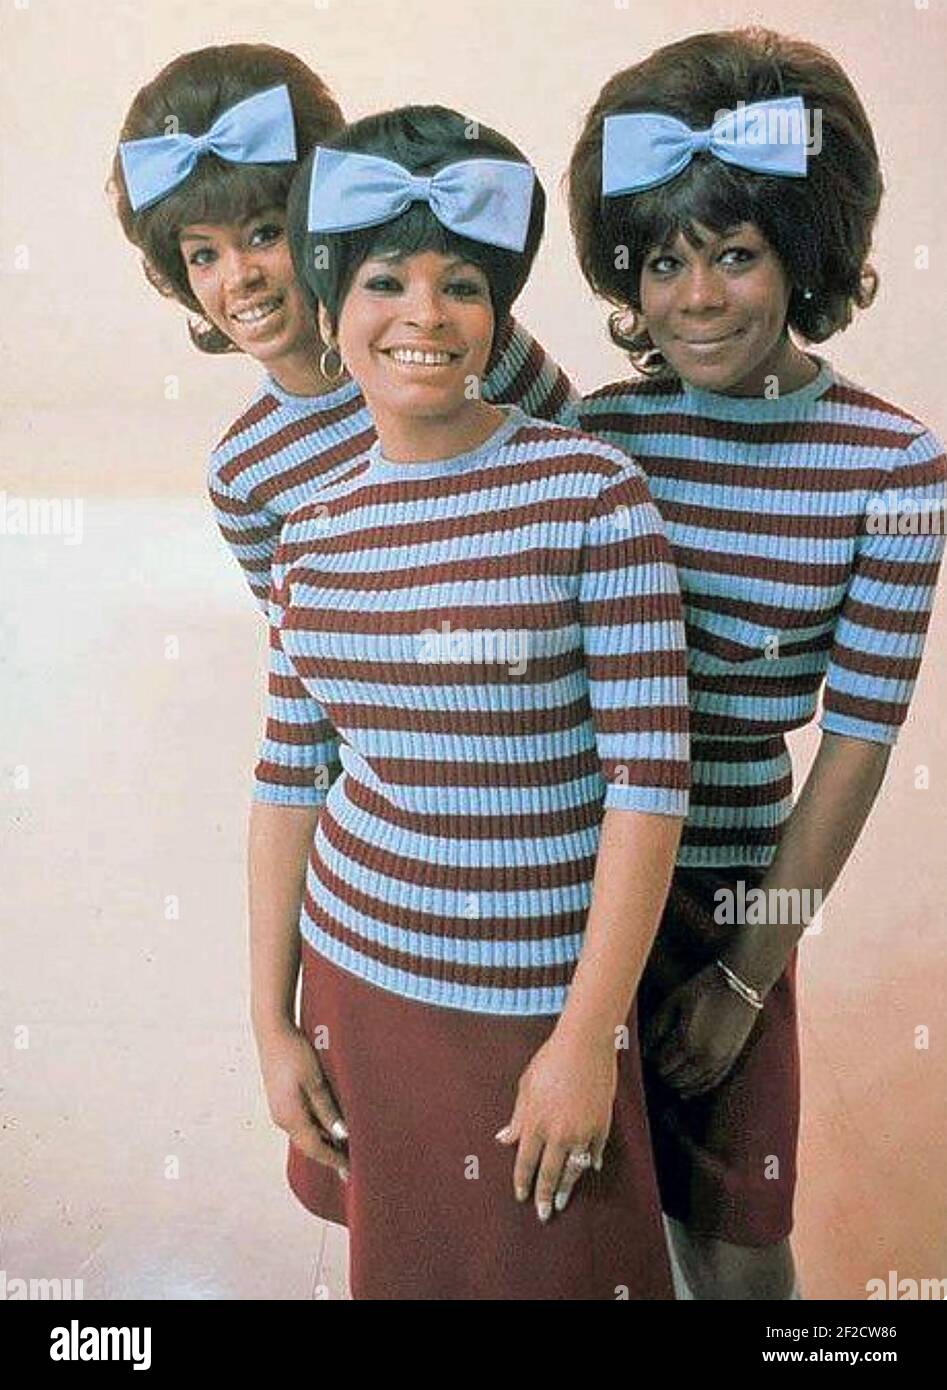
x=429, y=1202
x=726, y=1160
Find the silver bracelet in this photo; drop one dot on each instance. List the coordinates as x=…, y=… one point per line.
x=747, y=993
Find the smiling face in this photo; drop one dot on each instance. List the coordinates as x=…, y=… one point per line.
x=717, y=312
x=413, y=330
x=242, y=277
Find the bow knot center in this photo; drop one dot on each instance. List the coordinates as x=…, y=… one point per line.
x=419, y=187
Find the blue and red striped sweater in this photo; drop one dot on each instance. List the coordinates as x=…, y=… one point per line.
x=283, y=445
x=472, y=658
x=789, y=577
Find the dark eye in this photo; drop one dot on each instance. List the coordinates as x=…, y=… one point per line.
x=465, y=288
x=383, y=283
x=662, y=265
x=738, y=255
x=264, y=234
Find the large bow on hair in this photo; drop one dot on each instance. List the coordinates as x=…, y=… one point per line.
x=257, y=130
x=641, y=149
x=485, y=199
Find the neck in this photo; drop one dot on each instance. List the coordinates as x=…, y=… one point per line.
x=787, y=365
x=408, y=438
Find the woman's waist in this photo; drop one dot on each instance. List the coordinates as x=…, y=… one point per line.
x=472, y=800
x=473, y=843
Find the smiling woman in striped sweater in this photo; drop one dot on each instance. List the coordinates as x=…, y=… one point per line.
x=210, y=222
x=475, y=760
x=795, y=502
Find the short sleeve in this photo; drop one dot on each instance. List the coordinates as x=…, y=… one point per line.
x=881, y=630
x=524, y=374
x=299, y=752
x=635, y=649
x=250, y=532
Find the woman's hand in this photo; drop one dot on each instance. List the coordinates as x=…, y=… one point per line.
x=563, y=1105
x=299, y=1098
x=698, y=1033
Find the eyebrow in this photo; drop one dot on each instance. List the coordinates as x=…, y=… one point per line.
x=395, y=257
x=712, y=239
x=252, y=217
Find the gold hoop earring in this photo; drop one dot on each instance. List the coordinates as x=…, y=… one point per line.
x=323, y=359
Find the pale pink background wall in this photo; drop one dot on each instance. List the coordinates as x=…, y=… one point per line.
x=138, y=1154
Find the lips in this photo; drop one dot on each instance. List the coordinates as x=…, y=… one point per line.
x=413, y=356
x=258, y=311
x=710, y=342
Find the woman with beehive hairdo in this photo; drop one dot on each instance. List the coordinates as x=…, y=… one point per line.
x=723, y=194
x=200, y=178
x=477, y=678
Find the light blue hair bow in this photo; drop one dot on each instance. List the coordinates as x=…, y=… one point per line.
x=257, y=130
x=641, y=149
x=485, y=199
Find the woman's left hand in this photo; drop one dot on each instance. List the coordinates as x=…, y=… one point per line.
x=564, y=1104
x=698, y=1033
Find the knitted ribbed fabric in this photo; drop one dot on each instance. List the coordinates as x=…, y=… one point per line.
x=767, y=504
x=491, y=647
x=269, y=459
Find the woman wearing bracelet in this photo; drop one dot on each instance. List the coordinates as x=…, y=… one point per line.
x=723, y=194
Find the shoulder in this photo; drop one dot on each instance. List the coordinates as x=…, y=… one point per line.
x=627, y=397
x=594, y=466
x=258, y=419
x=912, y=452
x=544, y=439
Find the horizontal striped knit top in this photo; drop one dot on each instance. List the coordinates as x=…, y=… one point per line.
x=472, y=658
x=789, y=577
x=269, y=459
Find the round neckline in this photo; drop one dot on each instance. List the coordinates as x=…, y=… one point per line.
x=328, y=400
x=381, y=467
x=755, y=407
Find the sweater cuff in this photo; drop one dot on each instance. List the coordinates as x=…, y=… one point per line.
x=655, y=801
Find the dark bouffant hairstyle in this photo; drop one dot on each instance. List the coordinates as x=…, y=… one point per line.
x=423, y=139
x=188, y=96
x=819, y=226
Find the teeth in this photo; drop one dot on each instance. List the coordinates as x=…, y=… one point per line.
x=427, y=359
x=260, y=311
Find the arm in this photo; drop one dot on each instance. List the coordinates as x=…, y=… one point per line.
x=874, y=663
x=635, y=654
x=633, y=637
x=298, y=760
x=816, y=843
x=632, y=876
x=696, y=1037
x=278, y=842
x=872, y=671
x=250, y=532
x=522, y=373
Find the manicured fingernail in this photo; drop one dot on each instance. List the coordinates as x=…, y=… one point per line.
x=344, y=1174
x=521, y=1194
x=561, y=1199
x=597, y=1165
x=339, y=1130
x=503, y=1134
x=543, y=1210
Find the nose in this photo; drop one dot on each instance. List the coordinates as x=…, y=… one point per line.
x=703, y=289
x=424, y=308
x=241, y=269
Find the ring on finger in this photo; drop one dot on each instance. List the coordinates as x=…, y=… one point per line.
x=580, y=1159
